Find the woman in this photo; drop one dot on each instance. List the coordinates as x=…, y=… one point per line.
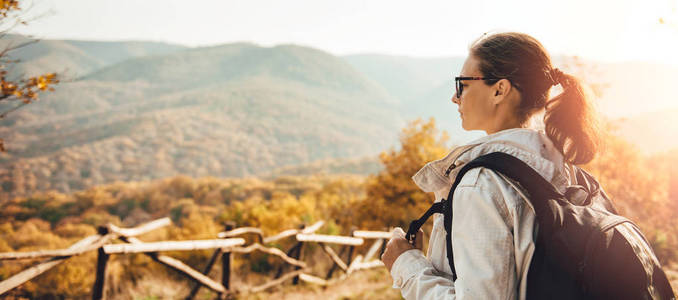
x=504, y=82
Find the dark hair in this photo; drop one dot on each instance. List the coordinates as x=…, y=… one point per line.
x=569, y=119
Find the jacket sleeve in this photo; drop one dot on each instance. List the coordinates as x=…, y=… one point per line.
x=482, y=242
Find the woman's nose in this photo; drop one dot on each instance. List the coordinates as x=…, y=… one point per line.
x=455, y=99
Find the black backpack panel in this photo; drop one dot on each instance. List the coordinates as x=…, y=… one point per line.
x=583, y=250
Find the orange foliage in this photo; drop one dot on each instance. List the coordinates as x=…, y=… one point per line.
x=23, y=89
x=392, y=197
x=7, y=6
x=640, y=186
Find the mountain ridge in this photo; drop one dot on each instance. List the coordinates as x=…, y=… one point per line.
x=283, y=106
x=226, y=110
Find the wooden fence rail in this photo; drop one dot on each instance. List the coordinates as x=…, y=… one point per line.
x=142, y=247
x=71, y=251
x=139, y=230
x=274, y=251
x=182, y=268
x=40, y=268
x=241, y=231
x=372, y=234
x=228, y=242
x=330, y=239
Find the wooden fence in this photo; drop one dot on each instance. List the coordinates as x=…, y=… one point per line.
x=228, y=243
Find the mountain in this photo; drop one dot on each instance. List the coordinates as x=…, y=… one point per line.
x=214, y=65
x=138, y=111
x=407, y=77
x=75, y=58
x=423, y=86
x=229, y=111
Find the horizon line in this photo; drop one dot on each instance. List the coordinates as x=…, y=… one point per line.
x=366, y=52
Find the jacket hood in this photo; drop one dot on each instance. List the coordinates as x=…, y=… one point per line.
x=529, y=145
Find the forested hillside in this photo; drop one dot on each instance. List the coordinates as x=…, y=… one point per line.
x=226, y=111
x=76, y=58
x=424, y=86
x=139, y=111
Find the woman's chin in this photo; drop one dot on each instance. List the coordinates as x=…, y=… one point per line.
x=464, y=125
x=467, y=127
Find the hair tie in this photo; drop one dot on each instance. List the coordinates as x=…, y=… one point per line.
x=557, y=76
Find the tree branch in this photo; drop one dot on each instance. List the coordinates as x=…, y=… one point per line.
x=12, y=48
x=2, y=116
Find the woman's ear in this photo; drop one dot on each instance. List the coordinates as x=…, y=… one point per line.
x=501, y=91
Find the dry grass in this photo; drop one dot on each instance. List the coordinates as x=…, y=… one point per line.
x=157, y=288
x=371, y=284
x=367, y=284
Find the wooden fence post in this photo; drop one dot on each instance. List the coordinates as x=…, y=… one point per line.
x=205, y=271
x=350, y=250
x=334, y=266
x=297, y=255
x=295, y=280
x=383, y=245
x=102, y=259
x=289, y=253
x=292, y=252
x=226, y=265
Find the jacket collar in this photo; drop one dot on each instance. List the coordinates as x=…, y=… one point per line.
x=531, y=146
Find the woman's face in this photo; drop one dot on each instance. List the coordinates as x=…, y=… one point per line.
x=475, y=108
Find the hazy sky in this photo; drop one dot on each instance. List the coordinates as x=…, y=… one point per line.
x=608, y=30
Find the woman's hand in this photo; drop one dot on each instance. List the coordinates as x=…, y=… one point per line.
x=399, y=244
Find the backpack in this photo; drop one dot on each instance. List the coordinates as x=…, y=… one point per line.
x=582, y=251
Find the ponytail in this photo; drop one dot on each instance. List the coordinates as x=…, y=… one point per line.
x=570, y=120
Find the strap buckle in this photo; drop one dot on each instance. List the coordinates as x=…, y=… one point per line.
x=438, y=207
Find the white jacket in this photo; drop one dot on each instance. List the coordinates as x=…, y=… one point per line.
x=493, y=224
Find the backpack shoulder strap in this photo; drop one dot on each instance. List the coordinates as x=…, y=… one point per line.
x=510, y=166
x=513, y=168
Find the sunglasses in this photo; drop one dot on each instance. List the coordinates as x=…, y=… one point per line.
x=460, y=87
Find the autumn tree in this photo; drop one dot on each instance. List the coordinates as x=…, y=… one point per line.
x=392, y=197
x=16, y=89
